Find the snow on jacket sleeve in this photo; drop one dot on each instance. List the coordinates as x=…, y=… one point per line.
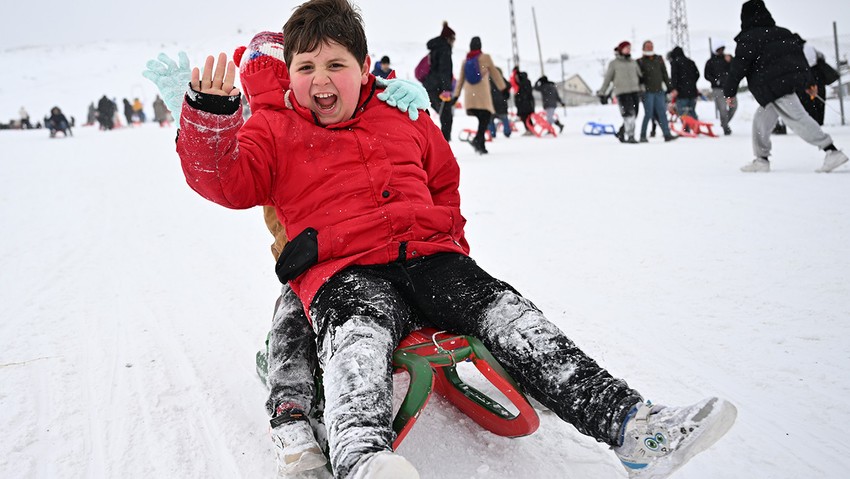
x=739, y=67
x=224, y=161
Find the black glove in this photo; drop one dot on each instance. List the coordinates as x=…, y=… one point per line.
x=298, y=255
x=506, y=93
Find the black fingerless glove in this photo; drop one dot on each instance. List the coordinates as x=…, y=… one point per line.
x=298, y=256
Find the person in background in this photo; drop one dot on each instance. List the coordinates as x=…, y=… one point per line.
x=523, y=99
x=438, y=82
x=551, y=100
x=138, y=110
x=57, y=122
x=382, y=68
x=25, y=119
x=716, y=71
x=814, y=105
x=773, y=61
x=623, y=76
x=91, y=117
x=128, y=111
x=475, y=76
x=500, y=105
x=683, y=82
x=106, y=109
x=161, y=114
x=655, y=82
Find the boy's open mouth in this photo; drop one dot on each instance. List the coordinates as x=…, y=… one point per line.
x=325, y=101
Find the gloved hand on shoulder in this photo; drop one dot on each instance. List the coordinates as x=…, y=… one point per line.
x=405, y=95
x=298, y=255
x=172, y=80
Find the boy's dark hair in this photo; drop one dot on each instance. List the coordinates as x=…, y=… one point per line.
x=319, y=21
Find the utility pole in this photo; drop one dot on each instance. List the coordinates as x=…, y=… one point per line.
x=537, y=34
x=838, y=67
x=679, y=36
x=514, y=46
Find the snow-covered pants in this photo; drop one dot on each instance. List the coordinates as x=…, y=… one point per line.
x=795, y=117
x=629, y=110
x=726, y=112
x=655, y=107
x=292, y=356
x=363, y=312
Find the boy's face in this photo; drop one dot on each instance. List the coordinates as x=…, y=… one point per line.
x=327, y=81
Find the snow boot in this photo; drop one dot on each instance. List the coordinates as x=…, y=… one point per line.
x=295, y=446
x=384, y=465
x=759, y=165
x=834, y=159
x=658, y=440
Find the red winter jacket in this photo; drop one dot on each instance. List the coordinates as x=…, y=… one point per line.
x=373, y=187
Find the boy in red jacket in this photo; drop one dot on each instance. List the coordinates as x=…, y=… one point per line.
x=371, y=203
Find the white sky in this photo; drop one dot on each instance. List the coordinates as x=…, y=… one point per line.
x=565, y=26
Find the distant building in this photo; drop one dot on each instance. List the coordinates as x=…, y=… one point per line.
x=575, y=91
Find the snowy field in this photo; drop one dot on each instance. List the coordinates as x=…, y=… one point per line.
x=132, y=308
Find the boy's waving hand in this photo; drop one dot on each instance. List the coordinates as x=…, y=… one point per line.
x=216, y=82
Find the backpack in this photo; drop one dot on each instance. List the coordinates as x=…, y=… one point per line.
x=423, y=68
x=472, y=70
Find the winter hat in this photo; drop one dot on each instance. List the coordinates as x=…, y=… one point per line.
x=447, y=32
x=264, y=52
x=718, y=45
x=754, y=14
x=385, y=60
x=475, y=43
x=622, y=45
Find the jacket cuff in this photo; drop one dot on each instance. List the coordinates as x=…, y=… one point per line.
x=215, y=104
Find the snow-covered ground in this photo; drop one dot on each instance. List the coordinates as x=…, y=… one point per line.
x=132, y=308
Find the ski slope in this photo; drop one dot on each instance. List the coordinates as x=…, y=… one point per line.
x=132, y=308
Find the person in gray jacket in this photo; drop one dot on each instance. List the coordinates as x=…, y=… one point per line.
x=623, y=76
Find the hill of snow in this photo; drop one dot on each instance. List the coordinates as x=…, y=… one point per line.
x=132, y=308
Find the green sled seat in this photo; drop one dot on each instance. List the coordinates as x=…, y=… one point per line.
x=430, y=358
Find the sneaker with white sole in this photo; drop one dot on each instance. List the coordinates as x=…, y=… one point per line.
x=658, y=440
x=384, y=465
x=834, y=159
x=759, y=165
x=295, y=446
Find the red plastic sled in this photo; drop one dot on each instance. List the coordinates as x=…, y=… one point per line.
x=538, y=125
x=430, y=357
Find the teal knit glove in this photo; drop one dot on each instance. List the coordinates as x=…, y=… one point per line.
x=171, y=79
x=405, y=95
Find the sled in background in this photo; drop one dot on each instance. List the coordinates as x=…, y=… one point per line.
x=537, y=124
x=691, y=127
x=596, y=129
x=467, y=134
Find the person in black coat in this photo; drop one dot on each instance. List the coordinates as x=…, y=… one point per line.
x=438, y=82
x=500, y=106
x=683, y=82
x=57, y=122
x=716, y=71
x=772, y=60
x=105, y=113
x=551, y=99
x=524, y=98
x=128, y=112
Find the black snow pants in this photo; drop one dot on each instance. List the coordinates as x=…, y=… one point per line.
x=363, y=312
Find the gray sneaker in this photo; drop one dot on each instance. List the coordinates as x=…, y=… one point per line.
x=759, y=165
x=295, y=448
x=833, y=160
x=658, y=440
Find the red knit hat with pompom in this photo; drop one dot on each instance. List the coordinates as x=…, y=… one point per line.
x=264, y=52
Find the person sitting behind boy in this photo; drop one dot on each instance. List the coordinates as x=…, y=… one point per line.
x=372, y=206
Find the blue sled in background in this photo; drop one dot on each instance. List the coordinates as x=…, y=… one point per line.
x=596, y=129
